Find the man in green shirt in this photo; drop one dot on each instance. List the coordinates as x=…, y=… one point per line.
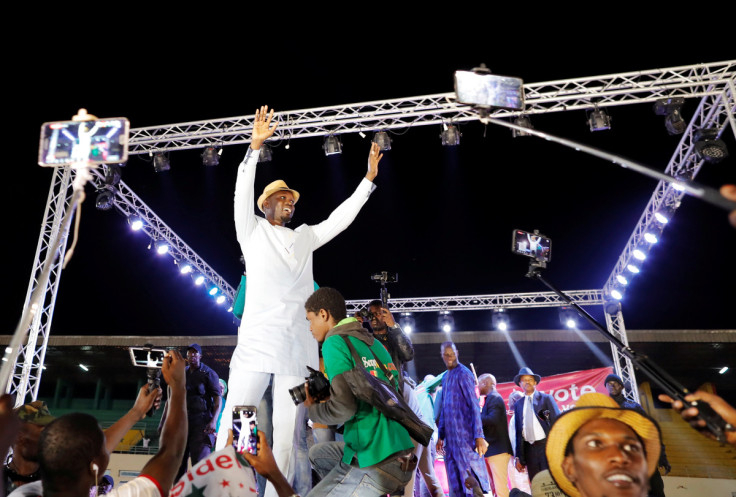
x=376, y=455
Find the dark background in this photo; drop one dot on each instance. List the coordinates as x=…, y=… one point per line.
x=441, y=217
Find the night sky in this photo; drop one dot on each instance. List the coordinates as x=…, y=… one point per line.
x=441, y=217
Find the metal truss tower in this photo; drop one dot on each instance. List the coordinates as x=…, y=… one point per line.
x=713, y=83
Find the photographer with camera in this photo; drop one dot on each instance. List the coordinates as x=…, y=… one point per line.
x=380, y=463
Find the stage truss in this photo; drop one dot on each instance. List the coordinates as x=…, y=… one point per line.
x=713, y=83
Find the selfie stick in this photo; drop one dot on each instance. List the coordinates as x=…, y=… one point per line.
x=35, y=301
x=713, y=421
x=706, y=193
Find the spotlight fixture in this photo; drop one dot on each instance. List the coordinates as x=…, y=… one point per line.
x=186, y=269
x=633, y=268
x=450, y=135
x=670, y=108
x=407, y=322
x=622, y=279
x=650, y=237
x=500, y=320
x=568, y=317
x=112, y=174
x=708, y=146
x=105, y=198
x=211, y=156
x=161, y=162
x=213, y=290
x=524, y=122
x=161, y=246
x=664, y=214
x=265, y=155
x=639, y=254
x=136, y=223
x=616, y=294
x=723, y=370
x=332, y=145
x=445, y=321
x=599, y=120
x=199, y=279
x=383, y=140
x=220, y=299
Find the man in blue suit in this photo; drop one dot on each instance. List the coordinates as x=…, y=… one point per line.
x=534, y=415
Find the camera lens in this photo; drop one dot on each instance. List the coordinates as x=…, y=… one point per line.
x=298, y=394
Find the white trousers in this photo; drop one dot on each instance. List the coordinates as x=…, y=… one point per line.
x=247, y=388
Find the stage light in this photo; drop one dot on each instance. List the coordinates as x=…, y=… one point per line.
x=661, y=217
x=213, y=290
x=112, y=174
x=568, y=317
x=723, y=369
x=136, y=223
x=332, y=145
x=84, y=368
x=105, y=198
x=599, y=120
x=650, y=237
x=186, y=269
x=616, y=294
x=161, y=246
x=211, y=156
x=161, y=162
x=407, y=322
x=500, y=319
x=622, y=279
x=670, y=108
x=445, y=321
x=708, y=146
x=633, y=269
x=265, y=155
x=220, y=299
x=450, y=135
x=199, y=280
x=524, y=122
x=639, y=254
x=383, y=140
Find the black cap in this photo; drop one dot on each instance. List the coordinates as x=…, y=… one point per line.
x=614, y=377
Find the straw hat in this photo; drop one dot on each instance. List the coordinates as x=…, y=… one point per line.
x=273, y=187
x=592, y=406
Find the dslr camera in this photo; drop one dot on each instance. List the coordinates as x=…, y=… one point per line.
x=318, y=384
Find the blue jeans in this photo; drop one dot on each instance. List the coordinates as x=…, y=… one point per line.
x=343, y=480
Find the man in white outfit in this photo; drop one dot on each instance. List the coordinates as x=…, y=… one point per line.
x=274, y=338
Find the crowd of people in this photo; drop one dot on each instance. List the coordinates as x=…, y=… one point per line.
x=603, y=446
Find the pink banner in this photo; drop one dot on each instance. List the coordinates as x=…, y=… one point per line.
x=565, y=388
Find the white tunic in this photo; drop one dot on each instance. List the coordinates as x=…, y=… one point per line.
x=274, y=334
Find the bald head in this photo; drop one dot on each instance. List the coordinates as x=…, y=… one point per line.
x=486, y=383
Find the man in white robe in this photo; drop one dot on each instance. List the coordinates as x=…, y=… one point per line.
x=274, y=338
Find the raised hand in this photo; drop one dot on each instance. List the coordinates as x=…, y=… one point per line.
x=262, y=129
x=374, y=157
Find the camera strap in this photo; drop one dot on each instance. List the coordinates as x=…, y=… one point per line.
x=359, y=363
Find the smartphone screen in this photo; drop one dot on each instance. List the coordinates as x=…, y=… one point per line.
x=245, y=429
x=531, y=245
x=147, y=358
x=97, y=142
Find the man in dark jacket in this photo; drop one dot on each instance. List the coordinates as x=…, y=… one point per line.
x=534, y=414
x=496, y=433
x=615, y=386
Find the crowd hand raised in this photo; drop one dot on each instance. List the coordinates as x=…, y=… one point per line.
x=388, y=318
x=147, y=399
x=374, y=157
x=173, y=369
x=262, y=129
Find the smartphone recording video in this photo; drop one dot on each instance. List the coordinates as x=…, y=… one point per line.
x=104, y=141
x=531, y=245
x=245, y=429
